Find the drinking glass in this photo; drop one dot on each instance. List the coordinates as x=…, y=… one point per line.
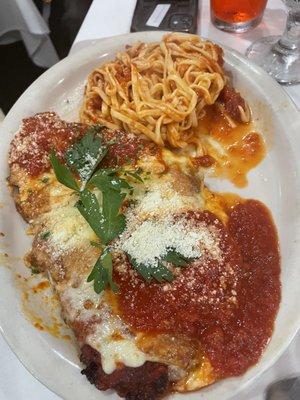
x=236, y=15
x=280, y=55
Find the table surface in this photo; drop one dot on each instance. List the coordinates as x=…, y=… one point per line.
x=15, y=382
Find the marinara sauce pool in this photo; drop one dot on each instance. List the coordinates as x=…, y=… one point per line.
x=230, y=304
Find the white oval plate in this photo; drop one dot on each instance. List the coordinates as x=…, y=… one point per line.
x=275, y=182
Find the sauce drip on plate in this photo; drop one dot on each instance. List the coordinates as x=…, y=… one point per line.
x=236, y=149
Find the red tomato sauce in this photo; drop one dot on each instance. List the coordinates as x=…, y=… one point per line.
x=43, y=132
x=124, y=149
x=38, y=136
x=229, y=304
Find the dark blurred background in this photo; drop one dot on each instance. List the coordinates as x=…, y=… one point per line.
x=17, y=71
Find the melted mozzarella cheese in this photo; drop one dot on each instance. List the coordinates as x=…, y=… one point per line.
x=182, y=160
x=68, y=229
x=110, y=335
x=115, y=344
x=75, y=299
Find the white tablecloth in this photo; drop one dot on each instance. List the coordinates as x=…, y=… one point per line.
x=112, y=17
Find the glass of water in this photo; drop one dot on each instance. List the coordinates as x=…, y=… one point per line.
x=280, y=55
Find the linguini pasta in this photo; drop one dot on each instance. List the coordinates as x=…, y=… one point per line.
x=157, y=89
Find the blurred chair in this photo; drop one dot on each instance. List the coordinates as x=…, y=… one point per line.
x=21, y=20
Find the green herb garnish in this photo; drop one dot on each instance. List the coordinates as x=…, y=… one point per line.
x=106, y=179
x=135, y=175
x=159, y=271
x=96, y=244
x=34, y=270
x=45, y=235
x=114, y=222
x=105, y=218
x=176, y=259
x=102, y=273
x=89, y=207
x=62, y=173
x=85, y=155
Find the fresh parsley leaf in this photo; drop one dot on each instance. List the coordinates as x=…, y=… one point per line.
x=107, y=265
x=96, y=244
x=45, y=235
x=141, y=269
x=107, y=222
x=111, y=171
x=89, y=208
x=34, y=270
x=134, y=175
x=114, y=222
x=159, y=272
x=162, y=273
x=85, y=155
x=107, y=179
x=102, y=273
x=62, y=173
x=176, y=259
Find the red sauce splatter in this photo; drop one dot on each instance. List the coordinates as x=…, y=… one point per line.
x=243, y=148
x=229, y=304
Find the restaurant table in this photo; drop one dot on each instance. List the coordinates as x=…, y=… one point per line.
x=113, y=17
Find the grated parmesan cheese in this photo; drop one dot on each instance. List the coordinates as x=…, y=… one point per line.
x=152, y=239
x=161, y=199
x=88, y=163
x=151, y=229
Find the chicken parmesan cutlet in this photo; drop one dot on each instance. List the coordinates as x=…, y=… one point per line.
x=164, y=291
